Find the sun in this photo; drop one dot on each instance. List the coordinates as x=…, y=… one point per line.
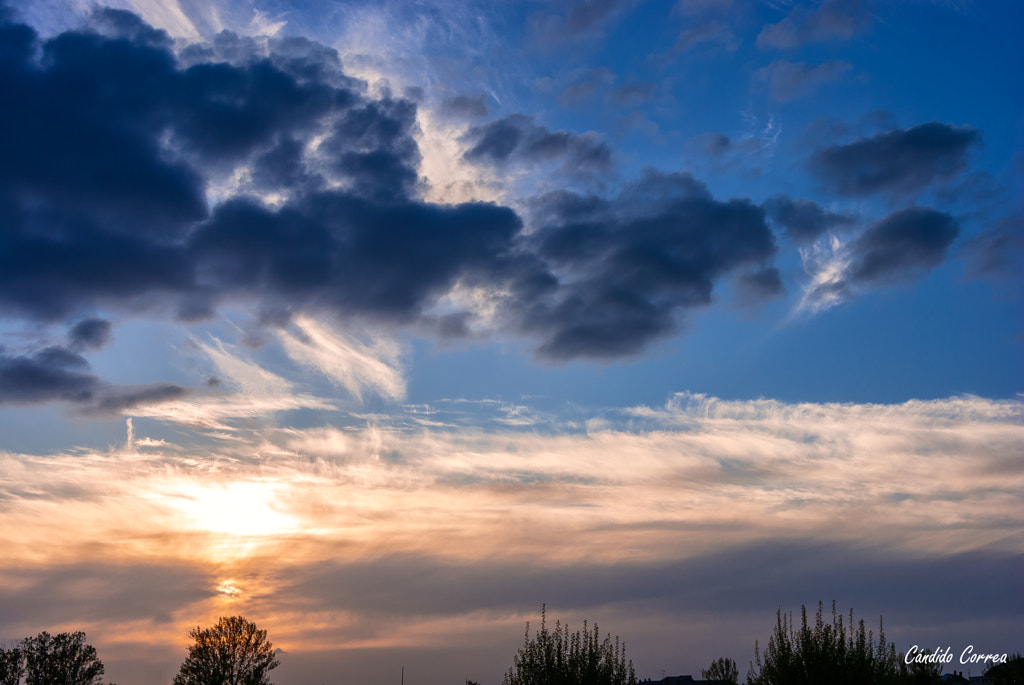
x=252, y=508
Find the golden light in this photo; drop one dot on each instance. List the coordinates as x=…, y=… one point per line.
x=252, y=508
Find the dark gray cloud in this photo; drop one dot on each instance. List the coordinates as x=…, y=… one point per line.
x=59, y=374
x=901, y=245
x=335, y=251
x=790, y=80
x=91, y=333
x=52, y=373
x=804, y=220
x=113, y=399
x=900, y=161
x=830, y=21
x=898, y=248
x=518, y=138
x=789, y=574
x=630, y=266
x=118, y=592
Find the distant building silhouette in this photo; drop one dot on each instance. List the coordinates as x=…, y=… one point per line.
x=679, y=680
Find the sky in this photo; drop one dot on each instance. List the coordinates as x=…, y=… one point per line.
x=384, y=324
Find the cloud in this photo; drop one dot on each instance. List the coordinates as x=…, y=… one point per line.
x=649, y=506
x=580, y=85
x=516, y=138
x=243, y=374
x=758, y=285
x=900, y=247
x=121, y=592
x=904, y=243
x=354, y=365
x=125, y=399
x=791, y=80
x=106, y=204
x=465, y=107
x=632, y=93
x=740, y=151
x=226, y=414
x=629, y=266
x=830, y=21
x=998, y=252
x=59, y=374
x=825, y=262
x=242, y=390
x=53, y=373
x=255, y=172
x=583, y=19
x=308, y=205
x=712, y=143
x=91, y=333
x=803, y=220
x=709, y=32
x=899, y=162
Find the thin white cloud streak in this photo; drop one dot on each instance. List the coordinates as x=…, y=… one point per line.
x=354, y=365
x=825, y=262
x=245, y=374
x=252, y=392
x=213, y=412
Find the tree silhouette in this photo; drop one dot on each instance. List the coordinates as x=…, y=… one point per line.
x=827, y=652
x=1010, y=673
x=923, y=672
x=560, y=658
x=233, y=652
x=62, y=659
x=12, y=666
x=722, y=670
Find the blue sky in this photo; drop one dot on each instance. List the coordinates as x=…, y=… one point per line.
x=385, y=323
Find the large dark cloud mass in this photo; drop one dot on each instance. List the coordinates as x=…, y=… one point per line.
x=900, y=162
x=630, y=264
x=256, y=171
x=114, y=142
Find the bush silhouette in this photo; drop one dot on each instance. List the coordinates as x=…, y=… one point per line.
x=831, y=652
x=723, y=671
x=559, y=657
x=1010, y=673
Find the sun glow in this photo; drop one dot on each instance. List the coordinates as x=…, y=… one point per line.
x=240, y=508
